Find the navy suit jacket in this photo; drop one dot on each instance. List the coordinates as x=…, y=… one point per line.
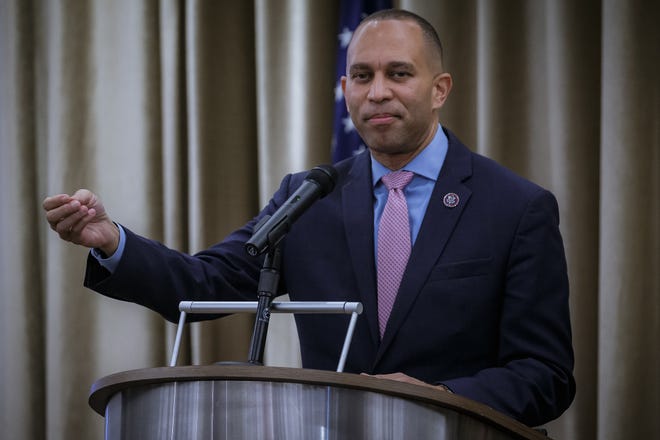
x=482, y=307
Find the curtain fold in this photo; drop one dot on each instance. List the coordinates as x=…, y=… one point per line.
x=184, y=115
x=629, y=307
x=220, y=149
x=295, y=47
x=295, y=44
x=573, y=90
x=21, y=305
x=67, y=128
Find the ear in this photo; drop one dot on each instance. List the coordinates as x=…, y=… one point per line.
x=441, y=87
x=343, y=89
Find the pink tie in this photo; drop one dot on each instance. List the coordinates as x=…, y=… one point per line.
x=393, y=243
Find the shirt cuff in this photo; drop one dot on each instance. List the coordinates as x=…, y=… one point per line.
x=111, y=263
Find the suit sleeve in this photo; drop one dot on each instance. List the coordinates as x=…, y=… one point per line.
x=157, y=277
x=533, y=380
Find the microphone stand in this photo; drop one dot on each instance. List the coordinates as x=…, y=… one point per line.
x=269, y=280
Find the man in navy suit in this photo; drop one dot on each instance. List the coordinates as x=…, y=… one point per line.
x=482, y=306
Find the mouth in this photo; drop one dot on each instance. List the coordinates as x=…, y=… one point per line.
x=381, y=118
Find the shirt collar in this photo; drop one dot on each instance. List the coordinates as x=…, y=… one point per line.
x=426, y=164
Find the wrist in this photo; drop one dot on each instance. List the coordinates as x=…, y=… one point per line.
x=112, y=244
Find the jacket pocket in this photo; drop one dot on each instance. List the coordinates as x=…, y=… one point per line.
x=462, y=269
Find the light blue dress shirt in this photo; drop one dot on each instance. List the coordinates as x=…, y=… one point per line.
x=112, y=262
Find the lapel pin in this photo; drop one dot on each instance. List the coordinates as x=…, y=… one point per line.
x=450, y=200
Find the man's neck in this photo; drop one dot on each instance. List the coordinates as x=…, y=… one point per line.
x=396, y=161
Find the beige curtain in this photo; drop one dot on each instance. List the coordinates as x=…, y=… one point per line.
x=184, y=115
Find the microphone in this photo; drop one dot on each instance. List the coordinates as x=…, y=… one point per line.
x=270, y=230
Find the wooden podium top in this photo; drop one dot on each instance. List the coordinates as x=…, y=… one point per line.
x=103, y=389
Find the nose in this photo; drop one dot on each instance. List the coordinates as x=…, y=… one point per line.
x=379, y=89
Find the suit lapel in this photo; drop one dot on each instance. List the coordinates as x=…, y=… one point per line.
x=358, y=213
x=438, y=225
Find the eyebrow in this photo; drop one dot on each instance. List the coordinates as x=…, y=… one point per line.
x=359, y=66
x=391, y=65
x=400, y=64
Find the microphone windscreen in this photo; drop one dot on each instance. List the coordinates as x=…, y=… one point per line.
x=325, y=176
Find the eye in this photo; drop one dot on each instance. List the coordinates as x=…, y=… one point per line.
x=400, y=74
x=360, y=76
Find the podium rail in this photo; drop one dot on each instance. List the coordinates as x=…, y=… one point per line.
x=308, y=307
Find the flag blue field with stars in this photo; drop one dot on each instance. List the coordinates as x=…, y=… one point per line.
x=345, y=139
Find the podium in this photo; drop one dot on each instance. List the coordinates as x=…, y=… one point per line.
x=255, y=402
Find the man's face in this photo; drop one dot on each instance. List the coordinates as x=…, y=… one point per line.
x=393, y=87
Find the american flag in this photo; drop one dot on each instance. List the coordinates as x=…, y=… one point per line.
x=345, y=140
